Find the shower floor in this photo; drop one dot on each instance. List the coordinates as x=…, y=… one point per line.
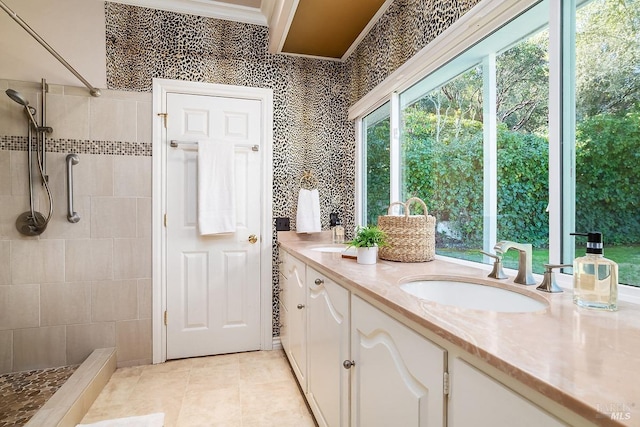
x=23, y=393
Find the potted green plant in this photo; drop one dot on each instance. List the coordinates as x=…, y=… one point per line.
x=367, y=240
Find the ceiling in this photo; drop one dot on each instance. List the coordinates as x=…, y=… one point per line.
x=328, y=29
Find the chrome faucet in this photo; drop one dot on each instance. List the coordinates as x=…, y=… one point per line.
x=524, y=276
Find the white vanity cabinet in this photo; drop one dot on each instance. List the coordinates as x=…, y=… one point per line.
x=327, y=349
x=398, y=376
x=282, y=301
x=294, y=323
x=478, y=400
x=358, y=366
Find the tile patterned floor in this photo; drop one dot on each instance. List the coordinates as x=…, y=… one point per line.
x=244, y=390
x=23, y=393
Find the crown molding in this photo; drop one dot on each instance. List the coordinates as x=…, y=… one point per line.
x=209, y=9
x=280, y=22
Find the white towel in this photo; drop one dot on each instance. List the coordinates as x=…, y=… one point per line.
x=308, y=215
x=216, y=187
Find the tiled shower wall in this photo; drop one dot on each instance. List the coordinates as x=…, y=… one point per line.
x=87, y=285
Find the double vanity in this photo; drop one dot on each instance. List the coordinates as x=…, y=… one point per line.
x=440, y=344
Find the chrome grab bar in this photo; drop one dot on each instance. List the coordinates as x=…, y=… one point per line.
x=72, y=216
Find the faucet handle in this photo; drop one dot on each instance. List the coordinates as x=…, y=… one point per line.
x=549, y=281
x=497, y=272
x=489, y=254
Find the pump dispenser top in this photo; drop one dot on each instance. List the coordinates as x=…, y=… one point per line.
x=594, y=242
x=595, y=278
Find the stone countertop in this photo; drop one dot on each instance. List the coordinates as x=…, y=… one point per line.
x=586, y=360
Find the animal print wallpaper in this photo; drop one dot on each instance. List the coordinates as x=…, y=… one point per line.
x=405, y=28
x=311, y=96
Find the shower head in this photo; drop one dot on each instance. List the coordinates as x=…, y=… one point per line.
x=17, y=97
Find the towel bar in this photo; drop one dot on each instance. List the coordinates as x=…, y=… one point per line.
x=189, y=145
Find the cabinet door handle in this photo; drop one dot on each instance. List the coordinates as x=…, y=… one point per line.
x=300, y=306
x=348, y=364
x=319, y=282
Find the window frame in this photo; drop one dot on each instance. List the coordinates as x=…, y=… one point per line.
x=472, y=29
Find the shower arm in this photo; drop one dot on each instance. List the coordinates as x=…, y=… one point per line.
x=92, y=90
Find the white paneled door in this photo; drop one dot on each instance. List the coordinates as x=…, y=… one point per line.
x=213, y=282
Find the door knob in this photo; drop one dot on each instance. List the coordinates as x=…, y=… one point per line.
x=348, y=364
x=300, y=306
x=318, y=282
x=253, y=238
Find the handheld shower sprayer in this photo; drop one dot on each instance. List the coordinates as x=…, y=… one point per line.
x=33, y=223
x=17, y=97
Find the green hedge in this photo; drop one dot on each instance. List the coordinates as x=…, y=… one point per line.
x=523, y=187
x=443, y=165
x=608, y=177
x=448, y=175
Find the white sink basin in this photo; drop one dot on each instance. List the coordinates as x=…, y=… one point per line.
x=472, y=296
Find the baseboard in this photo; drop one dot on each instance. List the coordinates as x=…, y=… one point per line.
x=277, y=344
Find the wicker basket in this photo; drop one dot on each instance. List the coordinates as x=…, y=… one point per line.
x=410, y=238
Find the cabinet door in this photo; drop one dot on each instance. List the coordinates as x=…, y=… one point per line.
x=327, y=349
x=296, y=319
x=282, y=299
x=478, y=400
x=284, y=328
x=398, y=376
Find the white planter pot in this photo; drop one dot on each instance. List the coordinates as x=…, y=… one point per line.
x=367, y=255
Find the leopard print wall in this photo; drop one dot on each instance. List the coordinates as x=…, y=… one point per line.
x=311, y=131
x=311, y=97
x=405, y=28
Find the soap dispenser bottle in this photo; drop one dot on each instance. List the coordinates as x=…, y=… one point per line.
x=338, y=232
x=333, y=220
x=595, y=278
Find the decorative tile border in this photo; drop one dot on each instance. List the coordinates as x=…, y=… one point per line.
x=80, y=146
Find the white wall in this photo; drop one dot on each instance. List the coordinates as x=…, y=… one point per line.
x=74, y=28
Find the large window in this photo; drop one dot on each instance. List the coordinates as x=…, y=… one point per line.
x=477, y=138
x=522, y=138
x=376, y=144
x=441, y=159
x=607, y=134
